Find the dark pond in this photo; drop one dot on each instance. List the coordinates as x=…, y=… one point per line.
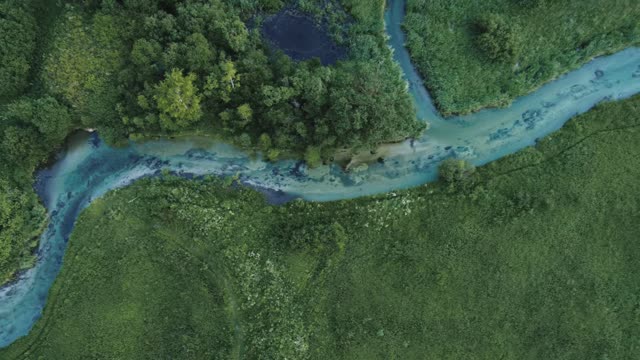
x=298, y=36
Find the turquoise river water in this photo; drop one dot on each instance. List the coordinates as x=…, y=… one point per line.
x=89, y=168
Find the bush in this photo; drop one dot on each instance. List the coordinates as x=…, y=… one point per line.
x=312, y=157
x=273, y=154
x=455, y=170
x=264, y=142
x=498, y=39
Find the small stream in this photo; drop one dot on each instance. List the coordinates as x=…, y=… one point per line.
x=89, y=168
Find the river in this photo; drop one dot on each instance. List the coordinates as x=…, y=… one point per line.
x=89, y=168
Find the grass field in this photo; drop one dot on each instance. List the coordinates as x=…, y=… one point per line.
x=546, y=38
x=533, y=257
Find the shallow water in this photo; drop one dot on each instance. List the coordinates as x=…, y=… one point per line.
x=89, y=168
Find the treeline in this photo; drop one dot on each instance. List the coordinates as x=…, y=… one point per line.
x=478, y=54
x=30, y=129
x=32, y=125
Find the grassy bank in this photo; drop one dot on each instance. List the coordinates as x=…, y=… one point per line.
x=534, y=256
x=478, y=54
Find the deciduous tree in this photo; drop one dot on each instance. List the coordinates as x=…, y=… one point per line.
x=177, y=100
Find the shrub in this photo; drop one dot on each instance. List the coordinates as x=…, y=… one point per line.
x=498, y=39
x=455, y=170
x=312, y=157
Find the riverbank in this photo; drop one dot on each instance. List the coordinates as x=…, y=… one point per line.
x=550, y=39
x=440, y=269
x=22, y=216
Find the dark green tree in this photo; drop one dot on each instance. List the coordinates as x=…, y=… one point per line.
x=369, y=105
x=17, y=43
x=51, y=118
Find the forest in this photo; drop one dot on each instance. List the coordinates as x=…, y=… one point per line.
x=137, y=69
x=477, y=54
x=532, y=256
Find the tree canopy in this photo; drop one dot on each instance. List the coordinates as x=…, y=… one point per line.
x=232, y=83
x=177, y=100
x=17, y=44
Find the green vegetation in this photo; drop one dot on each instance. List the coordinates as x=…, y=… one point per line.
x=535, y=256
x=17, y=44
x=29, y=129
x=82, y=66
x=499, y=40
x=177, y=101
x=138, y=68
x=32, y=124
x=475, y=54
x=455, y=170
x=195, y=66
